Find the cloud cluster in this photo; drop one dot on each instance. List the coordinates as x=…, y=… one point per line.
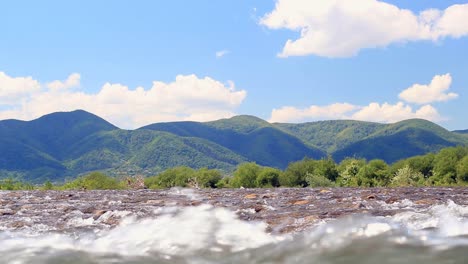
x=341, y=28
x=433, y=92
x=186, y=98
x=12, y=89
x=376, y=112
x=72, y=81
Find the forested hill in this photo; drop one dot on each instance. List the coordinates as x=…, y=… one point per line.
x=64, y=145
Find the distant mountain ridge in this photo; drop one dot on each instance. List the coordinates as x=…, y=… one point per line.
x=67, y=144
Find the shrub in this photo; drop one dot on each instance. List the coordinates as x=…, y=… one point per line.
x=246, y=175
x=406, y=176
x=314, y=180
x=268, y=177
x=94, y=181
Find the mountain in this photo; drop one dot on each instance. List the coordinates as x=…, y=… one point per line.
x=248, y=136
x=39, y=146
x=390, y=142
x=461, y=131
x=66, y=144
x=331, y=135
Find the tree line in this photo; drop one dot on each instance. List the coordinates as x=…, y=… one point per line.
x=448, y=167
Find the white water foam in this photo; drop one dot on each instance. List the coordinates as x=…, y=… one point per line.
x=183, y=232
x=190, y=231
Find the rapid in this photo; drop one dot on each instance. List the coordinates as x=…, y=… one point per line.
x=237, y=226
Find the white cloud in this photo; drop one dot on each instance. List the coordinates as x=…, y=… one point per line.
x=341, y=28
x=187, y=98
x=375, y=112
x=314, y=112
x=434, y=92
x=72, y=81
x=388, y=113
x=13, y=88
x=222, y=53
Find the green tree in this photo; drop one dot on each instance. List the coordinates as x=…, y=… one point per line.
x=462, y=171
x=326, y=168
x=268, y=177
x=348, y=170
x=445, y=165
x=48, y=185
x=374, y=174
x=206, y=178
x=316, y=180
x=178, y=176
x=246, y=175
x=93, y=181
x=295, y=173
x=406, y=176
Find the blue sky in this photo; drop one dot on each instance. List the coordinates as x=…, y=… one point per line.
x=139, y=62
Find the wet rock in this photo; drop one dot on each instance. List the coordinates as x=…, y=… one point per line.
x=424, y=202
x=359, y=206
x=392, y=200
x=283, y=209
x=7, y=211
x=17, y=224
x=88, y=210
x=250, y=196
x=98, y=213
x=300, y=202
x=258, y=208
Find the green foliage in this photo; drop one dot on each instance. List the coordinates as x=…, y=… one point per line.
x=331, y=135
x=224, y=183
x=93, y=181
x=268, y=177
x=63, y=144
x=10, y=184
x=373, y=174
x=326, y=168
x=184, y=177
x=406, y=176
x=348, y=170
x=462, y=170
x=48, y=186
x=315, y=180
x=446, y=163
x=246, y=175
x=205, y=178
x=295, y=173
x=178, y=176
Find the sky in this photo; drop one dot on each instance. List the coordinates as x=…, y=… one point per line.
x=139, y=62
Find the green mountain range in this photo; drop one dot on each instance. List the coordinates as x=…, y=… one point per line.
x=66, y=144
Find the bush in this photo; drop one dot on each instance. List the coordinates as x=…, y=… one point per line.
x=224, y=183
x=94, y=181
x=268, y=177
x=178, y=176
x=246, y=175
x=11, y=184
x=407, y=177
x=295, y=173
x=314, y=180
x=205, y=178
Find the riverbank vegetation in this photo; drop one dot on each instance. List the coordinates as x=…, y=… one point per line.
x=448, y=167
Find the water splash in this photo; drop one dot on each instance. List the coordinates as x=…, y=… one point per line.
x=204, y=234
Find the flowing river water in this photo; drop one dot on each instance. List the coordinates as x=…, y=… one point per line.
x=336, y=225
